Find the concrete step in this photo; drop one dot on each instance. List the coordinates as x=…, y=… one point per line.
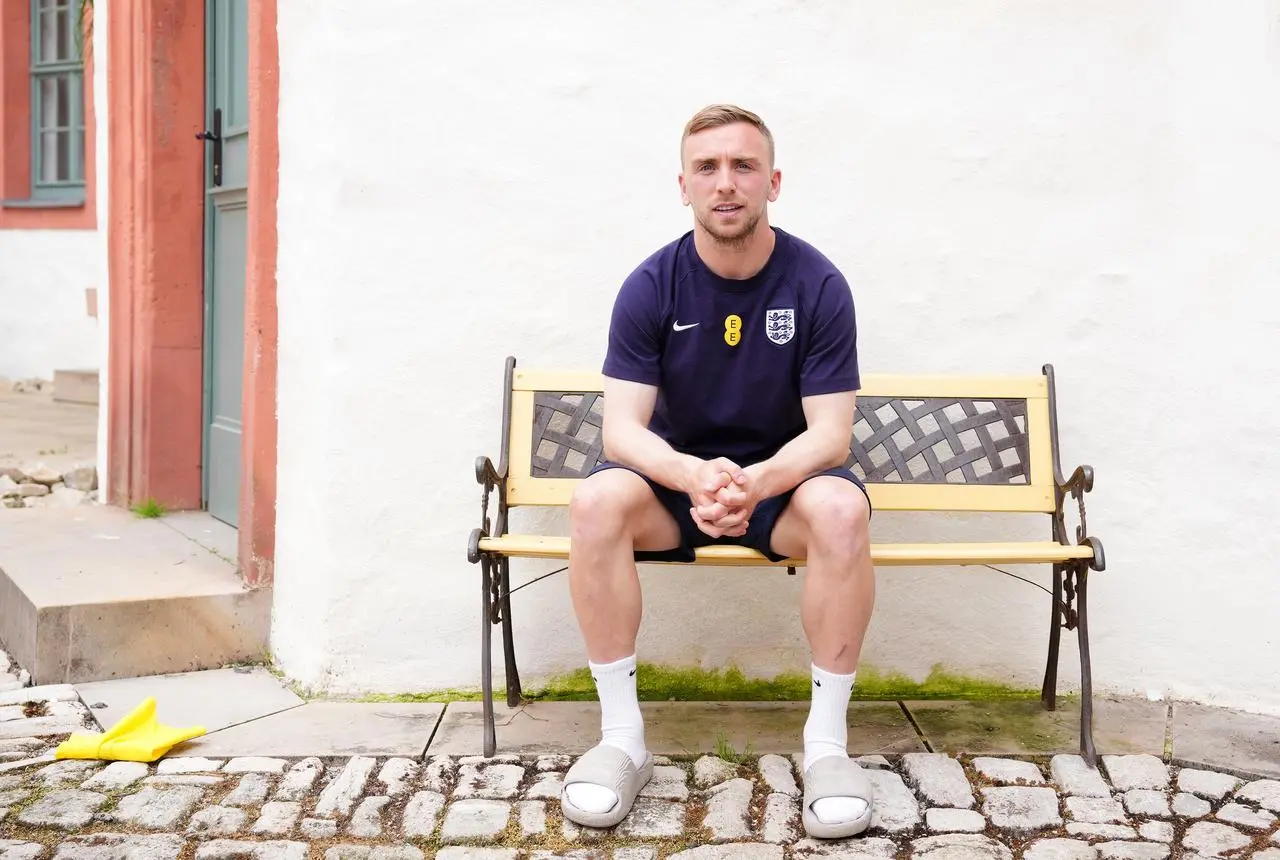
x=94, y=592
x=75, y=386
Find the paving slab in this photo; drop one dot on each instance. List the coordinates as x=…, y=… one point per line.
x=671, y=728
x=213, y=698
x=1021, y=727
x=1226, y=740
x=325, y=729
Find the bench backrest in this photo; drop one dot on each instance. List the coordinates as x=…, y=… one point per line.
x=931, y=443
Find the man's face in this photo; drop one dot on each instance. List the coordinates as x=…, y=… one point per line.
x=728, y=180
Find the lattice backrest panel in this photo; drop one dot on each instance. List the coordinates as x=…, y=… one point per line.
x=567, y=442
x=940, y=441
x=944, y=444
x=935, y=441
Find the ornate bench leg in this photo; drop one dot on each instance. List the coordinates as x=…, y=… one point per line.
x=486, y=663
x=1087, y=749
x=1049, y=692
x=508, y=641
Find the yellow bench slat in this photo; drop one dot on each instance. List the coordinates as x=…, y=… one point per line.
x=1029, y=552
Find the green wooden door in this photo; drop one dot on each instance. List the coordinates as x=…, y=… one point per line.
x=226, y=222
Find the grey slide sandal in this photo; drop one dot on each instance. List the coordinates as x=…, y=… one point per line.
x=611, y=768
x=834, y=776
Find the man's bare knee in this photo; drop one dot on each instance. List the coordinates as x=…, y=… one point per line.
x=603, y=505
x=836, y=514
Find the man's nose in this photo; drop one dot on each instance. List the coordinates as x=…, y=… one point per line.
x=724, y=180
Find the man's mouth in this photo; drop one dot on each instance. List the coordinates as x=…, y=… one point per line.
x=728, y=207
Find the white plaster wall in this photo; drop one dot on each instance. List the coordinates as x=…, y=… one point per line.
x=1089, y=184
x=44, y=324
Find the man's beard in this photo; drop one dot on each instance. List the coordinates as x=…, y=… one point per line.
x=732, y=241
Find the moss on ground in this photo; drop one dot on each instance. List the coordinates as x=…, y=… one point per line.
x=663, y=683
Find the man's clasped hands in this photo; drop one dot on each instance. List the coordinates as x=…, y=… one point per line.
x=724, y=496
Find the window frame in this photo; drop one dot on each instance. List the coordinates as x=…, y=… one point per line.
x=70, y=191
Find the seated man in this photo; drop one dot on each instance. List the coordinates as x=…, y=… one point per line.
x=730, y=380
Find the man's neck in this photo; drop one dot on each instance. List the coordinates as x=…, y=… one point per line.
x=736, y=260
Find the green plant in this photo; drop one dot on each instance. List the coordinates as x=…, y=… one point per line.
x=150, y=509
x=725, y=750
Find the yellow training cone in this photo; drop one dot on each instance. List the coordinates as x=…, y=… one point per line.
x=137, y=737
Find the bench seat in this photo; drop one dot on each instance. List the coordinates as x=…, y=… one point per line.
x=1027, y=552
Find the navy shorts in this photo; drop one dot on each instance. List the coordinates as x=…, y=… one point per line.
x=759, y=530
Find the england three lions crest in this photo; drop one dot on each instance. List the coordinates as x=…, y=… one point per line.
x=780, y=324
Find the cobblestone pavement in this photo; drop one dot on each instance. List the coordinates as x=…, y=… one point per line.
x=941, y=807
x=361, y=808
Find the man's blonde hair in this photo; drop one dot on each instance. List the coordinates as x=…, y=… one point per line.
x=714, y=116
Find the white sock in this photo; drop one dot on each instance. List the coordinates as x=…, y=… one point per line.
x=621, y=726
x=826, y=733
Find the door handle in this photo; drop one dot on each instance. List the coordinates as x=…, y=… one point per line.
x=215, y=137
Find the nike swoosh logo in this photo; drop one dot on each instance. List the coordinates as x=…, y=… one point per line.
x=677, y=327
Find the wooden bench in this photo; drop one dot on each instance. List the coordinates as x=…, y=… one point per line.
x=920, y=443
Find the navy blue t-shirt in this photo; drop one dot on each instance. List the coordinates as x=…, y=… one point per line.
x=732, y=358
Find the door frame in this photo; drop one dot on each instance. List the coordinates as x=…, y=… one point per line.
x=154, y=392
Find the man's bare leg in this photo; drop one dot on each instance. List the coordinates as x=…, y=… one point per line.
x=826, y=523
x=613, y=513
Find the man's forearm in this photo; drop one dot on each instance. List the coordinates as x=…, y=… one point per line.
x=643, y=450
x=811, y=452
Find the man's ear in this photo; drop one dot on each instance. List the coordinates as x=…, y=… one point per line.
x=684, y=197
x=775, y=185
